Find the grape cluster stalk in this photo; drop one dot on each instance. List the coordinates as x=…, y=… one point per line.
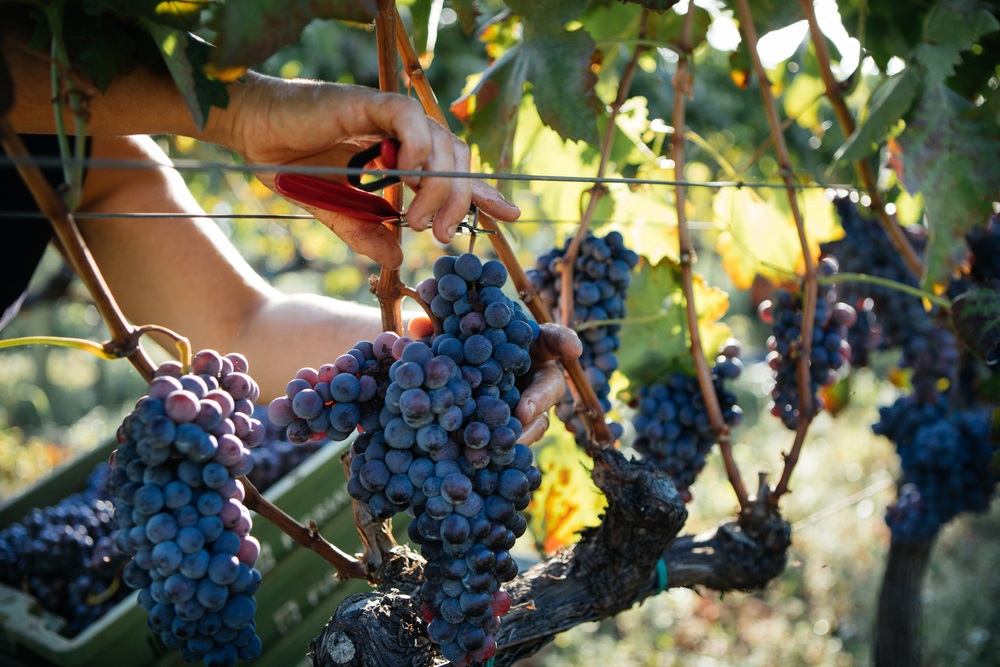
x=601, y=278
x=179, y=507
x=438, y=440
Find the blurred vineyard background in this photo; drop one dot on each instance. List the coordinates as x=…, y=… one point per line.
x=55, y=404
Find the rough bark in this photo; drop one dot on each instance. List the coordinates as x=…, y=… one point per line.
x=612, y=567
x=897, y=627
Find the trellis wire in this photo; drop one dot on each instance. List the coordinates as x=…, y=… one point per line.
x=35, y=215
x=196, y=165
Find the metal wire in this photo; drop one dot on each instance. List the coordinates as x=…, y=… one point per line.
x=197, y=165
x=37, y=215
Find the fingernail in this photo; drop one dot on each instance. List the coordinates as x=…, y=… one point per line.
x=452, y=231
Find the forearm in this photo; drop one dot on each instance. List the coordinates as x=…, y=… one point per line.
x=184, y=274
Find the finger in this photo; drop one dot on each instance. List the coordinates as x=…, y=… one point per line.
x=371, y=239
x=403, y=118
x=547, y=388
x=456, y=207
x=433, y=194
x=555, y=342
x=534, y=430
x=492, y=203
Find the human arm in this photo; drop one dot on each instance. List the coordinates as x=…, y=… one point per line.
x=281, y=122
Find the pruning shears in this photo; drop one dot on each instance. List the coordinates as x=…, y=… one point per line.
x=358, y=199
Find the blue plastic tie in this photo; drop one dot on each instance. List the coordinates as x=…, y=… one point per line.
x=661, y=576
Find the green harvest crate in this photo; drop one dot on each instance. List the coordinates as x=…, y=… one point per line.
x=297, y=595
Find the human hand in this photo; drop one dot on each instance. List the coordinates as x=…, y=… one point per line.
x=546, y=385
x=276, y=121
x=545, y=382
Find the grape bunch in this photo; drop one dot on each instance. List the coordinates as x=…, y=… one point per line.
x=601, y=277
x=331, y=401
x=673, y=428
x=945, y=457
x=179, y=507
x=445, y=449
x=65, y=556
x=830, y=349
x=887, y=317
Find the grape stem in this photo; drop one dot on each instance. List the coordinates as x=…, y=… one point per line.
x=75, y=249
x=388, y=287
x=184, y=352
x=404, y=290
x=96, y=349
x=944, y=302
x=347, y=566
x=415, y=74
x=846, y=120
x=682, y=89
x=749, y=34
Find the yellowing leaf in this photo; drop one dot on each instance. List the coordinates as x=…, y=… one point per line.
x=568, y=500
x=802, y=99
x=649, y=222
x=759, y=234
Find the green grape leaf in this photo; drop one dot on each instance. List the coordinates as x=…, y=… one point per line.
x=568, y=501
x=959, y=23
x=976, y=316
x=557, y=64
x=612, y=21
x=949, y=154
x=654, y=336
x=895, y=26
x=669, y=27
x=562, y=82
x=759, y=234
x=490, y=109
x=252, y=30
x=888, y=105
x=186, y=56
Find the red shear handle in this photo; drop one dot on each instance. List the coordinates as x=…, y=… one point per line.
x=386, y=151
x=336, y=197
